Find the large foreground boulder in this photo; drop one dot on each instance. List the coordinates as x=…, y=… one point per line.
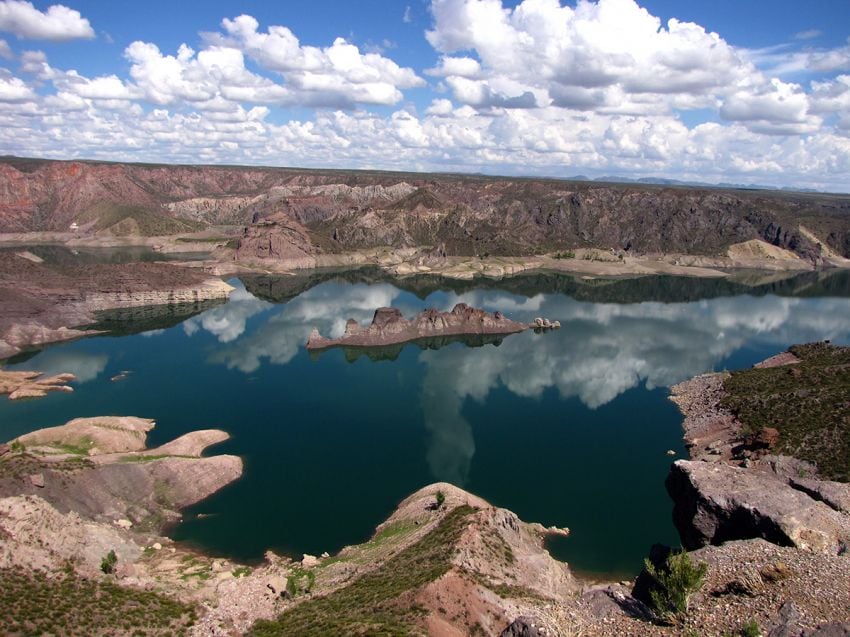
x=715, y=503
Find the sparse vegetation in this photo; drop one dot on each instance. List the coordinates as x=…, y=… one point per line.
x=806, y=402
x=300, y=581
x=107, y=564
x=751, y=629
x=241, y=571
x=63, y=604
x=121, y=220
x=568, y=254
x=378, y=602
x=675, y=582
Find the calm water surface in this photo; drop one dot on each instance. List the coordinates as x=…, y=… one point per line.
x=567, y=428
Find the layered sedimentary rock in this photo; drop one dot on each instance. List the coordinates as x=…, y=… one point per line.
x=33, y=384
x=101, y=469
x=389, y=327
x=42, y=303
x=344, y=211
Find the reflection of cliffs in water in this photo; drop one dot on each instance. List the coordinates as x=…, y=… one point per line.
x=57, y=255
x=391, y=352
x=282, y=288
x=663, y=289
x=134, y=320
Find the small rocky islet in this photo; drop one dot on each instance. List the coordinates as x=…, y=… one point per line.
x=389, y=327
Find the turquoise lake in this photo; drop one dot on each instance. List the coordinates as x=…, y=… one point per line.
x=569, y=428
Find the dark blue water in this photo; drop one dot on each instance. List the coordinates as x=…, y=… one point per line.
x=567, y=428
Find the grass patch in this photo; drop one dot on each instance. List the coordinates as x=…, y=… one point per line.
x=377, y=603
x=124, y=220
x=390, y=531
x=202, y=239
x=806, y=402
x=149, y=458
x=64, y=604
x=79, y=447
x=300, y=581
x=20, y=466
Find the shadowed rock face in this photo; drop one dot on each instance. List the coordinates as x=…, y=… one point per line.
x=293, y=214
x=389, y=327
x=715, y=503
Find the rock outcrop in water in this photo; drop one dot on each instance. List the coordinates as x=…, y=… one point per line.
x=20, y=385
x=389, y=327
x=100, y=468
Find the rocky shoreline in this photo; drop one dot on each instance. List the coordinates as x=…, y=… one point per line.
x=42, y=303
x=775, y=542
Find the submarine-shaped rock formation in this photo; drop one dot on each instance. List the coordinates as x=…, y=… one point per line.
x=389, y=327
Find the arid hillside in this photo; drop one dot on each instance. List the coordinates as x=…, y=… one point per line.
x=305, y=212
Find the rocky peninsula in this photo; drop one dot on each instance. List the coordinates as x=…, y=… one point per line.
x=43, y=303
x=389, y=327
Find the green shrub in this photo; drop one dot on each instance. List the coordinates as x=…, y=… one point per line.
x=441, y=499
x=107, y=564
x=751, y=629
x=675, y=582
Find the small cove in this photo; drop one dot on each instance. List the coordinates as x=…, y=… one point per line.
x=569, y=428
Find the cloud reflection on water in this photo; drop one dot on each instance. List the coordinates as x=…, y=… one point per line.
x=85, y=366
x=602, y=350
x=281, y=337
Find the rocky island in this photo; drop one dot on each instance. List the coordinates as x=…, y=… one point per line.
x=389, y=327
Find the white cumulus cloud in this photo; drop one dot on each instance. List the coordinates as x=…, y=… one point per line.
x=58, y=23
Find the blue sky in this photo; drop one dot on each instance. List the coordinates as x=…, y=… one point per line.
x=719, y=91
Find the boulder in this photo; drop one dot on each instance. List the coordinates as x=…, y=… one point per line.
x=834, y=494
x=786, y=623
x=276, y=584
x=714, y=503
x=523, y=627
x=37, y=480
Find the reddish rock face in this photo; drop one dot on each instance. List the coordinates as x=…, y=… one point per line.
x=386, y=315
x=293, y=214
